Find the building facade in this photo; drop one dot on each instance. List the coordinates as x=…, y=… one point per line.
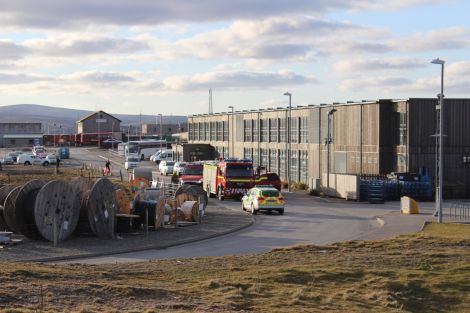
x=368, y=137
x=20, y=134
x=99, y=122
x=166, y=129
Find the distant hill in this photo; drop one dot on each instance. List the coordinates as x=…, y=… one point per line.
x=68, y=117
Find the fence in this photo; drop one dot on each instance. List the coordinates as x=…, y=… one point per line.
x=459, y=210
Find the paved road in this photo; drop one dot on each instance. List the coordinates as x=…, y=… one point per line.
x=307, y=220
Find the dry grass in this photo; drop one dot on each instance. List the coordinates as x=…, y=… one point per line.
x=426, y=272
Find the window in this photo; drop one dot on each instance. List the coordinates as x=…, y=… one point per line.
x=282, y=129
x=273, y=130
x=294, y=166
x=190, y=131
x=264, y=126
x=294, y=128
x=220, y=129
x=255, y=157
x=225, y=125
x=202, y=133
x=402, y=140
x=213, y=131
x=247, y=153
x=255, y=130
x=282, y=164
x=264, y=158
x=247, y=124
x=303, y=130
x=207, y=128
x=304, y=167
x=273, y=165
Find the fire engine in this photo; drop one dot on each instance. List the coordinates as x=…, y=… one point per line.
x=229, y=178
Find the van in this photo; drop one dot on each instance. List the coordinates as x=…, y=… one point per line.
x=164, y=156
x=28, y=159
x=132, y=161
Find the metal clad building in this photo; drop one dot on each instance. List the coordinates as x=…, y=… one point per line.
x=368, y=137
x=98, y=122
x=20, y=134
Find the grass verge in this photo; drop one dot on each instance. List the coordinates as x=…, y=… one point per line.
x=425, y=272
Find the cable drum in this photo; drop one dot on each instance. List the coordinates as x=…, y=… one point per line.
x=9, y=209
x=24, y=209
x=102, y=208
x=4, y=191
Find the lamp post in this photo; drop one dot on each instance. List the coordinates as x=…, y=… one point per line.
x=161, y=128
x=328, y=142
x=439, y=153
x=289, y=149
x=231, y=132
x=112, y=136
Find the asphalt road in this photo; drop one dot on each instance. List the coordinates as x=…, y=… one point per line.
x=306, y=220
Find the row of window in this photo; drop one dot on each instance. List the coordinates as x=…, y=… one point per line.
x=274, y=130
x=209, y=131
x=274, y=160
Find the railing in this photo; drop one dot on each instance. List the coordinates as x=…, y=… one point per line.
x=459, y=210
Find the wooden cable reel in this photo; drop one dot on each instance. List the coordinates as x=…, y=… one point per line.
x=190, y=193
x=82, y=187
x=9, y=209
x=4, y=191
x=101, y=206
x=191, y=211
x=123, y=203
x=24, y=209
x=57, y=210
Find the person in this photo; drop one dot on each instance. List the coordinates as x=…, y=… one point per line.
x=107, y=170
x=57, y=162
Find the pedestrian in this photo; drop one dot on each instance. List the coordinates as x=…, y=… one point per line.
x=57, y=163
x=107, y=166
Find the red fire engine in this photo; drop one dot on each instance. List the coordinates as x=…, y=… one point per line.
x=228, y=178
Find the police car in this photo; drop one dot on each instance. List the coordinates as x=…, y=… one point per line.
x=263, y=198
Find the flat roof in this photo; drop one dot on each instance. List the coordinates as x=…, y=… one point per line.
x=22, y=136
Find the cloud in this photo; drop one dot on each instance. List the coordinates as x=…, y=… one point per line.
x=9, y=50
x=461, y=68
x=374, y=83
x=452, y=38
x=377, y=64
x=386, y=5
x=19, y=79
x=99, y=77
x=79, y=14
x=71, y=46
x=235, y=81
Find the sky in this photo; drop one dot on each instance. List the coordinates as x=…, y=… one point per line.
x=150, y=57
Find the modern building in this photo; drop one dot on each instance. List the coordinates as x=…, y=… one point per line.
x=166, y=129
x=100, y=122
x=367, y=138
x=20, y=134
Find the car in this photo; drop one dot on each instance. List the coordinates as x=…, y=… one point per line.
x=178, y=168
x=271, y=179
x=7, y=160
x=49, y=159
x=263, y=198
x=14, y=155
x=192, y=174
x=28, y=159
x=131, y=162
x=37, y=150
x=111, y=142
x=166, y=167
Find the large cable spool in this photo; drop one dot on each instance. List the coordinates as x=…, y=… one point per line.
x=122, y=198
x=101, y=206
x=24, y=208
x=191, y=193
x=56, y=210
x=82, y=187
x=4, y=191
x=9, y=209
x=139, y=207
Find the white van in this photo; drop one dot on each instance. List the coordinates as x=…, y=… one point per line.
x=164, y=156
x=37, y=150
x=28, y=159
x=132, y=161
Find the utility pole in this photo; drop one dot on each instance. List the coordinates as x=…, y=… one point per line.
x=231, y=134
x=328, y=142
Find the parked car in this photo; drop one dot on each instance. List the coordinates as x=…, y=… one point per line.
x=111, y=142
x=28, y=159
x=166, y=155
x=271, y=179
x=49, y=159
x=37, y=150
x=7, y=160
x=14, y=155
x=131, y=162
x=263, y=198
x=192, y=174
x=178, y=168
x=166, y=167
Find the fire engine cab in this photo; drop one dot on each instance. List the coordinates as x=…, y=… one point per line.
x=230, y=178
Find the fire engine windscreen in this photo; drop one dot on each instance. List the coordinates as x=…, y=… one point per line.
x=239, y=170
x=193, y=170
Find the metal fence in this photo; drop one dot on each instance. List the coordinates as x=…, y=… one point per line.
x=459, y=210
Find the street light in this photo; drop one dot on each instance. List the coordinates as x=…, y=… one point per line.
x=289, y=149
x=161, y=135
x=231, y=131
x=439, y=154
x=328, y=142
